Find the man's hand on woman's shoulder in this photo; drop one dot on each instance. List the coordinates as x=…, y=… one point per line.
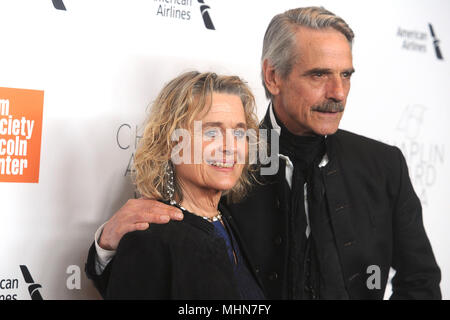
x=136, y=214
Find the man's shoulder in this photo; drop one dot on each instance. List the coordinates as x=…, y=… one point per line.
x=356, y=142
x=368, y=154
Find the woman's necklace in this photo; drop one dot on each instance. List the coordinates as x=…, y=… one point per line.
x=217, y=217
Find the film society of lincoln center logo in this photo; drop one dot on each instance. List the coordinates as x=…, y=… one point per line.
x=20, y=134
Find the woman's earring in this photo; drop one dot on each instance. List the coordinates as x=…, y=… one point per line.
x=170, y=188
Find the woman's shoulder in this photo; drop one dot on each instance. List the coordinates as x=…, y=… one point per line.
x=191, y=230
x=155, y=233
x=161, y=236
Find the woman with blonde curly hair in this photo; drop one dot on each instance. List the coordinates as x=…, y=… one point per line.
x=194, y=150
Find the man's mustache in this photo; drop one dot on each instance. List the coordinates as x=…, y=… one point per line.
x=329, y=106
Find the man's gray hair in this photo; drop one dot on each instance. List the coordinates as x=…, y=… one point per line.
x=279, y=40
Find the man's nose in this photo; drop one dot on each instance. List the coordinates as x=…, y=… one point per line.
x=336, y=90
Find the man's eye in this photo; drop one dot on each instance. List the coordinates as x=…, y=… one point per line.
x=347, y=74
x=318, y=74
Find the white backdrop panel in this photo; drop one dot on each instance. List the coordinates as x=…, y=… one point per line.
x=100, y=63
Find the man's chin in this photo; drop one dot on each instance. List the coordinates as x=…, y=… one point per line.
x=326, y=131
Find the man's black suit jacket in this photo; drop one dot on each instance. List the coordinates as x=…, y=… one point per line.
x=376, y=219
x=375, y=214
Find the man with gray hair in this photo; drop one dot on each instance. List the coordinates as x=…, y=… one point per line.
x=341, y=209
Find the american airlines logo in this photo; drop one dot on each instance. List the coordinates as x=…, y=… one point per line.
x=176, y=9
x=204, y=9
x=59, y=4
x=418, y=40
x=33, y=288
x=436, y=42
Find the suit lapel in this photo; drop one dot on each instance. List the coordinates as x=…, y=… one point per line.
x=351, y=254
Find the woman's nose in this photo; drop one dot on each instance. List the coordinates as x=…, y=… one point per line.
x=229, y=142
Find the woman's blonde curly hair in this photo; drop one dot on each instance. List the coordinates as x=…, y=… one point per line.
x=177, y=105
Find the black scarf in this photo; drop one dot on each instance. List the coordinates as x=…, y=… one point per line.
x=314, y=270
x=303, y=151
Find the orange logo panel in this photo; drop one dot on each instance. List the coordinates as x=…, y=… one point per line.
x=20, y=134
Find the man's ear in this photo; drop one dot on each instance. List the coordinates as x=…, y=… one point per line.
x=271, y=78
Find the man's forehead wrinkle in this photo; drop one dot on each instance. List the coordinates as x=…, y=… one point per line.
x=305, y=43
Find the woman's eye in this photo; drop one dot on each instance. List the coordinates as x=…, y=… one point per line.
x=239, y=133
x=211, y=133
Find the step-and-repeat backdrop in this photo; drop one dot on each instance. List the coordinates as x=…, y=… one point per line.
x=77, y=76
